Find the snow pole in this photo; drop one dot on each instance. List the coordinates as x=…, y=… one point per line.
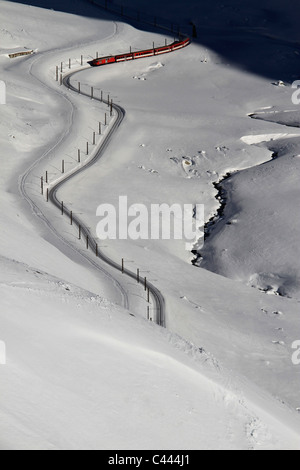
x=138, y=276
x=122, y=265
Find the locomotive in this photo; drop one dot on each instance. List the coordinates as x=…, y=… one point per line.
x=141, y=54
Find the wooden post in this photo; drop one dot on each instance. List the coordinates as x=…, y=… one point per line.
x=61, y=80
x=105, y=122
x=46, y=177
x=47, y=195
x=92, y=92
x=97, y=250
x=79, y=232
x=61, y=67
x=81, y=60
x=57, y=73
x=87, y=148
x=79, y=88
x=145, y=283
x=87, y=242
x=42, y=185
x=138, y=276
x=99, y=128
x=70, y=63
x=94, y=138
x=102, y=96
x=111, y=108
x=122, y=265
x=71, y=217
x=62, y=208
x=148, y=295
x=79, y=156
x=148, y=313
x=63, y=166
x=108, y=100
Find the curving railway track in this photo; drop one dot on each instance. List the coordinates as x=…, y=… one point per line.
x=100, y=259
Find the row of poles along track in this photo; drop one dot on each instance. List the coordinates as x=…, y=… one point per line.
x=45, y=179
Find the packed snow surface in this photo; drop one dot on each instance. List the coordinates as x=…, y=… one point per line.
x=84, y=369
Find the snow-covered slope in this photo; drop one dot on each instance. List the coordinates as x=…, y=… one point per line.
x=84, y=374
x=82, y=371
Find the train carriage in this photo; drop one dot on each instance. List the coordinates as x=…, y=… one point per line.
x=141, y=54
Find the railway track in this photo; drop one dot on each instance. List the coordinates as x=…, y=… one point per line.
x=155, y=294
x=100, y=259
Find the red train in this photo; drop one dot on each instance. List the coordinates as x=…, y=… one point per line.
x=139, y=55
